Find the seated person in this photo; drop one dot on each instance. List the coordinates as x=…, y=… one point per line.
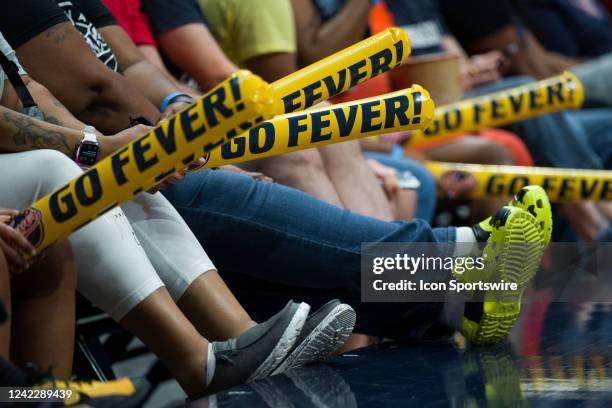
x=37, y=323
x=482, y=26
x=290, y=243
x=338, y=25
x=577, y=29
x=584, y=131
x=261, y=37
x=142, y=265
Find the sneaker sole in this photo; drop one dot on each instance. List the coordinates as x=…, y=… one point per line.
x=327, y=337
x=284, y=344
x=515, y=264
x=534, y=200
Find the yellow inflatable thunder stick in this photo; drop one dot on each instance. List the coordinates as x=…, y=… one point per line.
x=232, y=107
x=335, y=74
x=562, y=185
x=404, y=110
x=502, y=108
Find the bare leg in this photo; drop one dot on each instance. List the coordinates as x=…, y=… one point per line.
x=303, y=170
x=403, y=205
x=159, y=323
x=354, y=180
x=357, y=341
x=5, y=297
x=43, y=312
x=212, y=308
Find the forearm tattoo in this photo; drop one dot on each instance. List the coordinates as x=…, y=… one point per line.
x=52, y=119
x=33, y=136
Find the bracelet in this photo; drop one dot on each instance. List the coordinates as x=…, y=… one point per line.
x=170, y=98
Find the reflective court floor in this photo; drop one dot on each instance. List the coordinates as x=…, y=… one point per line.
x=559, y=355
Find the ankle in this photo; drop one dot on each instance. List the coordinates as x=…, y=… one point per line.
x=249, y=325
x=191, y=375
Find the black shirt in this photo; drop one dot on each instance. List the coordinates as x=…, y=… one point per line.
x=27, y=19
x=165, y=15
x=470, y=20
x=423, y=21
x=575, y=29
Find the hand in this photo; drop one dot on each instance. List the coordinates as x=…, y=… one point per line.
x=174, y=108
x=16, y=248
x=388, y=177
x=175, y=178
x=457, y=184
x=483, y=68
x=110, y=144
x=253, y=174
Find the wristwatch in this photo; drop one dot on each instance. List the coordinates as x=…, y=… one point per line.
x=89, y=148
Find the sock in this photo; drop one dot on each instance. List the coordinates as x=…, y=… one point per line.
x=466, y=241
x=211, y=362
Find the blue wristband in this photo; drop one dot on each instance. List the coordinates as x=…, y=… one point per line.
x=168, y=100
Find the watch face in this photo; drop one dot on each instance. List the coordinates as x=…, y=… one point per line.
x=88, y=153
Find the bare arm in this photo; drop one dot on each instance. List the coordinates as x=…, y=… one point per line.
x=272, y=67
x=53, y=110
x=528, y=57
x=151, y=53
x=136, y=68
x=22, y=133
x=95, y=94
x=318, y=39
x=193, y=49
x=19, y=133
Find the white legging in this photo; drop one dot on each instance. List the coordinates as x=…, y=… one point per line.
x=123, y=256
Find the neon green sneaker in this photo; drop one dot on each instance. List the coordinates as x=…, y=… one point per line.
x=532, y=199
x=513, y=253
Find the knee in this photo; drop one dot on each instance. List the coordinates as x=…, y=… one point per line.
x=56, y=272
x=303, y=162
x=54, y=168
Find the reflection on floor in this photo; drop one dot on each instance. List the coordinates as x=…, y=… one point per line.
x=559, y=355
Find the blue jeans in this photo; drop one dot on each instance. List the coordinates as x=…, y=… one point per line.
x=596, y=78
x=597, y=125
x=272, y=240
x=554, y=140
x=426, y=194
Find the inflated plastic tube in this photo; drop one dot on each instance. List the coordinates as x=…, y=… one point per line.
x=555, y=94
x=347, y=68
x=562, y=185
x=404, y=110
x=235, y=105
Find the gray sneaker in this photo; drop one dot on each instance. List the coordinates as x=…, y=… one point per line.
x=325, y=331
x=256, y=353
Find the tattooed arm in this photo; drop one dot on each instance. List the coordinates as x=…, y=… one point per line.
x=62, y=61
x=19, y=132
x=54, y=111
